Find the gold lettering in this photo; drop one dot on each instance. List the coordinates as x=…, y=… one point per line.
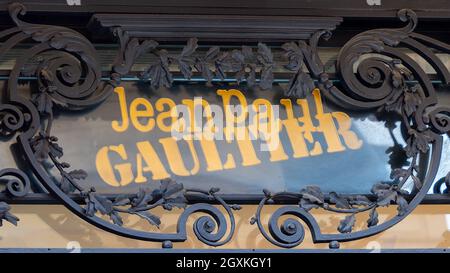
x=175, y=159
x=269, y=126
x=165, y=115
x=308, y=127
x=136, y=114
x=350, y=138
x=327, y=126
x=264, y=124
x=106, y=171
x=299, y=134
x=154, y=164
x=123, y=111
x=213, y=161
x=231, y=120
x=246, y=148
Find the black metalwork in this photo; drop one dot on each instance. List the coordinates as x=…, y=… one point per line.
x=17, y=185
x=69, y=77
x=17, y=182
x=387, y=81
x=380, y=84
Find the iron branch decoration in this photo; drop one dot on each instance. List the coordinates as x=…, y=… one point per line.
x=244, y=65
x=384, y=85
x=69, y=76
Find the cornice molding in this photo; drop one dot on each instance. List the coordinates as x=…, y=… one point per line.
x=214, y=27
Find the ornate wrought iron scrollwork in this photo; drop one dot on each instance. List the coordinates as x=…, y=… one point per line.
x=17, y=185
x=254, y=67
x=385, y=84
x=12, y=119
x=69, y=75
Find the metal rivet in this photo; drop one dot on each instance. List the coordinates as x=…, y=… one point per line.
x=167, y=244
x=334, y=245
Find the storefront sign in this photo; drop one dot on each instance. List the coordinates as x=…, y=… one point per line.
x=206, y=129
x=135, y=138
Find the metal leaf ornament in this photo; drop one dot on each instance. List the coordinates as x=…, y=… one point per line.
x=159, y=72
x=202, y=64
x=346, y=225
x=265, y=57
x=300, y=84
x=185, y=60
x=6, y=215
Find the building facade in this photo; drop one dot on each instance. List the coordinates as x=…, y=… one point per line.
x=203, y=124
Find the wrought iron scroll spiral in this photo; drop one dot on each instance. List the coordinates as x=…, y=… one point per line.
x=215, y=220
x=18, y=186
x=12, y=119
x=205, y=225
x=371, y=86
x=290, y=233
x=69, y=74
x=382, y=81
x=69, y=71
x=440, y=119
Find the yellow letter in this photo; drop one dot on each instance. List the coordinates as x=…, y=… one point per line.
x=123, y=110
x=299, y=134
x=345, y=123
x=152, y=161
x=237, y=122
x=176, y=160
x=105, y=170
x=232, y=120
x=212, y=157
x=269, y=127
x=147, y=112
x=164, y=115
x=327, y=126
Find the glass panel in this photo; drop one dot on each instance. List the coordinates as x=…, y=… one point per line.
x=319, y=144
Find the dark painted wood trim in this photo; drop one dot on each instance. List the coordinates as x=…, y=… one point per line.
x=341, y=8
x=244, y=199
x=214, y=27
